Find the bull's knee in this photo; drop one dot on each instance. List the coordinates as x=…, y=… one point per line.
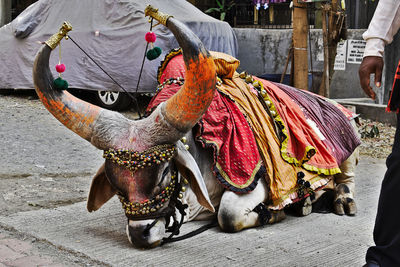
x=344, y=191
x=236, y=211
x=230, y=220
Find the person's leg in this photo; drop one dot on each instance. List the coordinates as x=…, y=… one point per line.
x=386, y=251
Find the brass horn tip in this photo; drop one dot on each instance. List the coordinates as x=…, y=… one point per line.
x=149, y=10
x=66, y=26
x=156, y=14
x=55, y=39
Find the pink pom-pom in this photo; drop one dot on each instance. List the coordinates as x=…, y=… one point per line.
x=60, y=68
x=150, y=37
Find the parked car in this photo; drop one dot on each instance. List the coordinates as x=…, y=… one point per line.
x=110, y=32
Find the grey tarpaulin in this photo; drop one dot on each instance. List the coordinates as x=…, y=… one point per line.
x=118, y=47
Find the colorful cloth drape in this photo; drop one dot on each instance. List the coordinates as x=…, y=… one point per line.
x=236, y=124
x=331, y=120
x=224, y=129
x=281, y=176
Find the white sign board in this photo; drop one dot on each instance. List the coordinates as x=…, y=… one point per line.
x=355, y=51
x=340, y=60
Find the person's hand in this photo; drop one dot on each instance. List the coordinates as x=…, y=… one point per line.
x=370, y=64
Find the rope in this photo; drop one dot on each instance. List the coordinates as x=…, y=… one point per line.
x=119, y=85
x=203, y=228
x=144, y=57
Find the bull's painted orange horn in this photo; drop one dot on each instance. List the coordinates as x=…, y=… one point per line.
x=78, y=115
x=187, y=106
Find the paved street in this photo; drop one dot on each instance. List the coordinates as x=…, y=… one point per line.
x=45, y=174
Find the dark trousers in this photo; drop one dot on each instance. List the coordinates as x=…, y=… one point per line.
x=386, y=251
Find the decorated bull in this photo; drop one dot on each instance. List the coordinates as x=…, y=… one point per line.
x=214, y=144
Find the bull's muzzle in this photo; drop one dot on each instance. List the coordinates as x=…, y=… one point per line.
x=143, y=234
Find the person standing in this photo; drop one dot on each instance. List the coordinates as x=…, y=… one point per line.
x=383, y=26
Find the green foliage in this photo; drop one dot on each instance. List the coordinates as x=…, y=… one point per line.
x=369, y=131
x=222, y=8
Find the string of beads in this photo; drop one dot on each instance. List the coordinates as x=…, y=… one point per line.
x=134, y=160
x=178, y=81
x=153, y=205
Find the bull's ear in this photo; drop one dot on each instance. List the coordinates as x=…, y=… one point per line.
x=188, y=168
x=100, y=190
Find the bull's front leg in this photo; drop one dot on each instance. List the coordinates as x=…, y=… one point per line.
x=236, y=212
x=344, y=190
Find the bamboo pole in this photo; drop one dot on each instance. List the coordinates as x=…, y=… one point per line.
x=255, y=21
x=333, y=36
x=300, y=33
x=324, y=87
x=288, y=59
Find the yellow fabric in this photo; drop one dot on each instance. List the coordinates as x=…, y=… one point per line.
x=226, y=65
x=282, y=176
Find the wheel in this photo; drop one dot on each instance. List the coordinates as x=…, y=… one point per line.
x=112, y=100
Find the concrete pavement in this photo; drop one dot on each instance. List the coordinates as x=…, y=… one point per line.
x=314, y=240
x=45, y=174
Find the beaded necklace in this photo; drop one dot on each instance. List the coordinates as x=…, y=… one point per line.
x=134, y=160
x=178, y=81
x=150, y=206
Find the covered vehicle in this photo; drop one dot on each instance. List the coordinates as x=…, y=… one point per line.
x=112, y=33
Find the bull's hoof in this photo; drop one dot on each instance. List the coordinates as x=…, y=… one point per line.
x=324, y=204
x=277, y=216
x=301, y=208
x=345, y=206
x=344, y=202
x=306, y=208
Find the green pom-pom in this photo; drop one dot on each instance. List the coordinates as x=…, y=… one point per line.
x=60, y=84
x=153, y=53
x=158, y=50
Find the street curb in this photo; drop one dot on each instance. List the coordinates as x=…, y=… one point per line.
x=375, y=112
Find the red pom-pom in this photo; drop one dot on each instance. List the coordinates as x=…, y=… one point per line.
x=60, y=68
x=150, y=37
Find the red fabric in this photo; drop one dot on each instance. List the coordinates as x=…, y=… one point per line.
x=332, y=120
x=223, y=127
x=394, y=100
x=300, y=134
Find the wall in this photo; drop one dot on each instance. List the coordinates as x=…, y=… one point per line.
x=265, y=51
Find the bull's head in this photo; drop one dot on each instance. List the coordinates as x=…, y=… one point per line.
x=145, y=181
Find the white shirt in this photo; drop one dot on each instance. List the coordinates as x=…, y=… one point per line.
x=384, y=25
